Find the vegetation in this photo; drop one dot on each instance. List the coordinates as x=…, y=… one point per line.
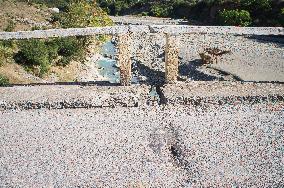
x=4, y=81
x=243, y=12
x=10, y=27
x=82, y=14
x=6, y=52
x=38, y=55
x=34, y=53
x=61, y=4
x=160, y=10
x=7, y=47
x=235, y=17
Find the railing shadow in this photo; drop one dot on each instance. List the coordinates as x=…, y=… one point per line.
x=190, y=70
x=277, y=40
x=154, y=77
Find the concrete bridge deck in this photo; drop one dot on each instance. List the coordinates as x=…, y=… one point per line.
x=201, y=143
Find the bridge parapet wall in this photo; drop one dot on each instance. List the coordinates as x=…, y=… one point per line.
x=189, y=94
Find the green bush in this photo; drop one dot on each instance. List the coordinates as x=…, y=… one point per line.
x=6, y=52
x=161, y=10
x=34, y=53
x=256, y=5
x=69, y=48
x=120, y=6
x=6, y=46
x=181, y=9
x=83, y=14
x=281, y=17
x=4, y=81
x=235, y=18
x=144, y=14
x=10, y=27
x=40, y=53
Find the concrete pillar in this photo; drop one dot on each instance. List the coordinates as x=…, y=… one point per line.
x=124, y=59
x=171, y=58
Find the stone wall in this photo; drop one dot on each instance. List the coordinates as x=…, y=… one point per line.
x=220, y=93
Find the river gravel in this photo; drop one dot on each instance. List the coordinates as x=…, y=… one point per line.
x=251, y=58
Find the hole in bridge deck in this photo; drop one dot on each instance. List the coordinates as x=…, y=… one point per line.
x=174, y=151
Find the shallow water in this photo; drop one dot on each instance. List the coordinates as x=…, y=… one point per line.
x=108, y=69
x=108, y=49
x=154, y=94
x=108, y=66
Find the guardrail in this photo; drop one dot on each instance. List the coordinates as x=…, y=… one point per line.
x=123, y=32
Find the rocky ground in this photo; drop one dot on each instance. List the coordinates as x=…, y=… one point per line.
x=23, y=15
x=147, y=20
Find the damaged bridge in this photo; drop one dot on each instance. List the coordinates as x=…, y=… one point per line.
x=200, y=134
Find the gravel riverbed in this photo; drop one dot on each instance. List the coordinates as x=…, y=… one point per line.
x=249, y=59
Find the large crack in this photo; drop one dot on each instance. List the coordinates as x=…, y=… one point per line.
x=163, y=99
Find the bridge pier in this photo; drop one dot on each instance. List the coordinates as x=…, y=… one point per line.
x=171, y=58
x=124, y=59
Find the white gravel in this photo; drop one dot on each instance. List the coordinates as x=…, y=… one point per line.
x=165, y=146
